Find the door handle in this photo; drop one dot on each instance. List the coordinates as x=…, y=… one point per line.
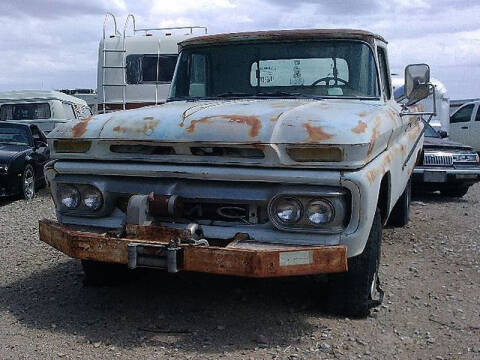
x=464, y=127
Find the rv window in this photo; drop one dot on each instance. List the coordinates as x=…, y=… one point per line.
x=68, y=109
x=25, y=111
x=143, y=68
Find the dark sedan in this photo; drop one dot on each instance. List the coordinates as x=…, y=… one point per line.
x=447, y=166
x=23, y=153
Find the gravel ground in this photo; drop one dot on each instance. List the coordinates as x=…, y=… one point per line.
x=431, y=276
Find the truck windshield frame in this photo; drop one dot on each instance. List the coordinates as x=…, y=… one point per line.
x=317, y=69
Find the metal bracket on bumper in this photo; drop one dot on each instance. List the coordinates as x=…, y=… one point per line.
x=152, y=246
x=154, y=256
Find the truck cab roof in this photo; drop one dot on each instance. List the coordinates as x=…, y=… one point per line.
x=283, y=35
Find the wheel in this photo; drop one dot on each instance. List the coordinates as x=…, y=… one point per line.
x=356, y=291
x=28, y=182
x=455, y=192
x=400, y=215
x=101, y=273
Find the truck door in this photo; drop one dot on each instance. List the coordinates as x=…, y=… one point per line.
x=460, y=127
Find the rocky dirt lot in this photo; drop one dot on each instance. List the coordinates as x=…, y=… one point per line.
x=431, y=276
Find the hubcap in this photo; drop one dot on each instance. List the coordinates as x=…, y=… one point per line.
x=28, y=184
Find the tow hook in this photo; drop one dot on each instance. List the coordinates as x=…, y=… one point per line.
x=196, y=235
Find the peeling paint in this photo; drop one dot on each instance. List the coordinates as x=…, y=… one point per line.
x=146, y=129
x=81, y=127
x=275, y=118
x=360, y=128
x=316, y=133
x=252, y=121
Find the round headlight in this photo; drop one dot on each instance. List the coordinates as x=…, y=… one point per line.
x=287, y=210
x=92, y=198
x=68, y=195
x=319, y=212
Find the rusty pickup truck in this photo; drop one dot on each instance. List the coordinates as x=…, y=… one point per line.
x=278, y=153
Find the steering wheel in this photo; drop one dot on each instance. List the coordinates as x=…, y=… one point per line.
x=327, y=79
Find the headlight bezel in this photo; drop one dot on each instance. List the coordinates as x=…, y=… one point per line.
x=95, y=191
x=3, y=168
x=339, y=200
x=457, y=158
x=82, y=189
x=325, y=202
x=65, y=188
x=286, y=199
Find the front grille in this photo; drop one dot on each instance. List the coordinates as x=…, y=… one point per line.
x=142, y=149
x=438, y=159
x=232, y=152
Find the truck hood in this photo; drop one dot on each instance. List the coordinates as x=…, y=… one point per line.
x=253, y=121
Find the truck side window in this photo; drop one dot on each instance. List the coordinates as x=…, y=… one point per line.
x=198, y=75
x=462, y=115
x=477, y=118
x=384, y=73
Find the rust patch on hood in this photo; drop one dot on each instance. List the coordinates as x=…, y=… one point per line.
x=147, y=128
x=316, y=133
x=252, y=121
x=80, y=127
x=193, y=123
x=360, y=128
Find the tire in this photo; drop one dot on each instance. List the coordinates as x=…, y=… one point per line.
x=28, y=183
x=356, y=291
x=101, y=273
x=455, y=192
x=400, y=215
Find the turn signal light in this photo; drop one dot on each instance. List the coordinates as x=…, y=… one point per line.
x=315, y=154
x=71, y=146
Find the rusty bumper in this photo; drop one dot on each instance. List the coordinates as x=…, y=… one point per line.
x=248, y=259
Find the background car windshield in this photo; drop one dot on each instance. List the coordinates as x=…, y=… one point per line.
x=317, y=68
x=13, y=135
x=25, y=111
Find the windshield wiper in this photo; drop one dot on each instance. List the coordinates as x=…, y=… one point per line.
x=287, y=94
x=233, y=94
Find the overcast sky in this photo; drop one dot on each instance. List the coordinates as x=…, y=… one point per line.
x=53, y=43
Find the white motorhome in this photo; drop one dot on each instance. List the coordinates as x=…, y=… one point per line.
x=441, y=121
x=46, y=109
x=136, y=70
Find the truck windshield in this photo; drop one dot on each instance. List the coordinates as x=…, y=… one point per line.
x=337, y=68
x=25, y=111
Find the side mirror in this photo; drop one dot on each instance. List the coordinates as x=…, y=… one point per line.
x=417, y=83
x=443, y=134
x=39, y=144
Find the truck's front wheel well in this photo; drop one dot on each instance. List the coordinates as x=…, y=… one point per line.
x=384, y=197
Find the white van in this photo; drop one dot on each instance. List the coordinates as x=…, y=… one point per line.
x=46, y=109
x=465, y=125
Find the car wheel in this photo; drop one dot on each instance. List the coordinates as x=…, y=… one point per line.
x=400, y=215
x=356, y=291
x=455, y=192
x=101, y=273
x=28, y=183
